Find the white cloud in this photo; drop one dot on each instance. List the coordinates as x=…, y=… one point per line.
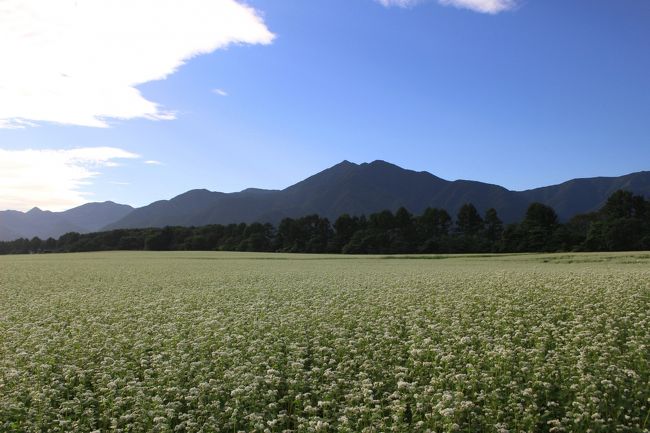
x=77, y=62
x=483, y=6
x=399, y=3
x=153, y=162
x=220, y=92
x=51, y=179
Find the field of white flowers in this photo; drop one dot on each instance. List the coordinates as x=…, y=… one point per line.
x=227, y=342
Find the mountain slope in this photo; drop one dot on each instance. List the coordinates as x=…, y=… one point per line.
x=91, y=217
x=344, y=188
x=368, y=188
x=587, y=195
x=371, y=187
x=44, y=224
x=180, y=210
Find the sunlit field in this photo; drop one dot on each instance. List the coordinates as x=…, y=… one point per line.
x=228, y=342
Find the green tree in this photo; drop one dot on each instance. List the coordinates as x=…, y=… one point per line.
x=624, y=204
x=433, y=229
x=493, y=225
x=257, y=237
x=468, y=221
x=159, y=241
x=538, y=227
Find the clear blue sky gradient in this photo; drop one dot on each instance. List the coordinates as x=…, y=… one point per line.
x=554, y=90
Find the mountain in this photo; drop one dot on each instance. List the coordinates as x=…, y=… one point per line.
x=178, y=211
x=367, y=188
x=44, y=224
x=91, y=217
x=344, y=188
x=587, y=195
x=371, y=187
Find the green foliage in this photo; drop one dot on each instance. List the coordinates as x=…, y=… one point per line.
x=468, y=221
x=624, y=204
x=310, y=234
x=493, y=225
x=539, y=227
x=622, y=224
x=432, y=229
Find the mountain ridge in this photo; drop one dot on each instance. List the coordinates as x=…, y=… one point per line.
x=345, y=187
x=86, y=218
x=365, y=188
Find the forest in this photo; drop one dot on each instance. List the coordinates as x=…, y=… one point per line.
x=622, y=224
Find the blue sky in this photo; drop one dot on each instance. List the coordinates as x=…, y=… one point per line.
x=538, y=93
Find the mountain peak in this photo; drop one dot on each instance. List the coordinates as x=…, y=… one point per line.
x=380, y=163
x=199, y=192
x=346, y=187
x=98, y=204
x=256, y=191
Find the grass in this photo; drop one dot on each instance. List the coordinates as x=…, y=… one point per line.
x=239, y=342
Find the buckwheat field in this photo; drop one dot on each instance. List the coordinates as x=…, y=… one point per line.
x=228, y=342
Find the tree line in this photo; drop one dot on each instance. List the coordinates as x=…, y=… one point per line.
x=622, y=224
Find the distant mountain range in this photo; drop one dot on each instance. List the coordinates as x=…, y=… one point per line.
x=344, y=188
x=87, y=218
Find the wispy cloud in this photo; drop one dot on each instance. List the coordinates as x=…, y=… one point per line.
x=483, y=6
x=220, y=92
x=79, y=62
x=153, y=162
x=52, y=179
x=399, y=3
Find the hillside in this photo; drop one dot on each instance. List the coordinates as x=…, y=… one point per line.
x=343, y=188
x=370, y=187
x=86, y=218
